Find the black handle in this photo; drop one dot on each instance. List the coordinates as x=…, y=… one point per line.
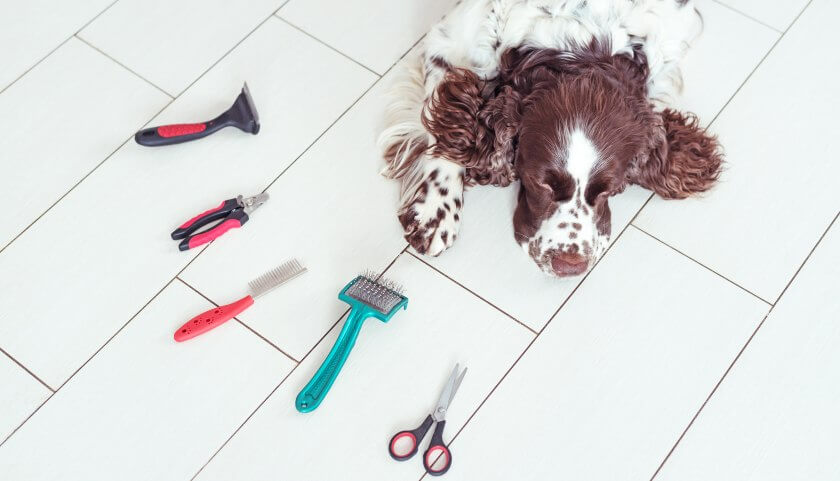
x=415, y=436
x=435, y=451
x=234, y=220
x=205, y=218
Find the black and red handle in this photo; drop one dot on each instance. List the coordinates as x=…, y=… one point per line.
x=437, y=459
x=205, y=218
x=397, y=447
x=234, y=220
x=176, y=133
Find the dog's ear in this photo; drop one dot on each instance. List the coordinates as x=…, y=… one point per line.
x=451, y=115
x=684, y=159
x=474, y=127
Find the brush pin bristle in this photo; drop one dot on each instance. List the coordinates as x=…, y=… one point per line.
x=275, y=277
x=383, y=295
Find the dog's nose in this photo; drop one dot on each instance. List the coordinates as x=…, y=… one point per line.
x=567, y=264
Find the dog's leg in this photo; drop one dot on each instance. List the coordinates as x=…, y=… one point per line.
x=431, y=202
x=432, y=187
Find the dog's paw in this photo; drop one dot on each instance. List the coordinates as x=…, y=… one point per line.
x=433, y=217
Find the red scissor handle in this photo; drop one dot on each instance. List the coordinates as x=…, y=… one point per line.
x=397, y=447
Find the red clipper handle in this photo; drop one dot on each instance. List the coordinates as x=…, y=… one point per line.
x=210, y=235
x=212, y=318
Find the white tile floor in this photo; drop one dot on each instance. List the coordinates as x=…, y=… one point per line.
x=704, y=345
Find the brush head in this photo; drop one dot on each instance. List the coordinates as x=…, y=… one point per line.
x=275, y=277
x=381, y=297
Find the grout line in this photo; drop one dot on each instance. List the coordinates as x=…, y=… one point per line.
x=56, y=48
x=224, y=55
x=709, y=397
x=808, y=257
x=703, y=266
x=360, y=64
x=80, y=181
x=238, y=320
x=97, y=16
x=743, y=14
x=35, y=64
x=760, y=62
x=472, y=292
x=81, y=39
x=749, y=340
x=26, y=369
x=314, y=346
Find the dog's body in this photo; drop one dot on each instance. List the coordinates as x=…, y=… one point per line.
x=570, y=97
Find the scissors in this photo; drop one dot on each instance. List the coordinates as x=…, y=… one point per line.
x=437, y=452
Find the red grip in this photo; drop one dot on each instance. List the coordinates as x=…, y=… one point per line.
x=178, y=130
x=213, y=318
x=199, y=216
x=214, y=233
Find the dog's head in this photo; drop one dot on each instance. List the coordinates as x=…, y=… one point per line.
x=585, y=130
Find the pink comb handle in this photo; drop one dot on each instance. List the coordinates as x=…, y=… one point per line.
x=212, y=318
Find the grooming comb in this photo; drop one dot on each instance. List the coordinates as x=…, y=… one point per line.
x=367, y=297
x=261, y=285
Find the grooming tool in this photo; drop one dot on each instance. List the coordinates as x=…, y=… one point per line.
x=367, y=298
x=233, y=213
x=242, y=115
x=437, y=459
x=261, y=285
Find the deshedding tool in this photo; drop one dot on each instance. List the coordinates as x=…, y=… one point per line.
x=367, y=297
x=242, y=115
x=261, y=285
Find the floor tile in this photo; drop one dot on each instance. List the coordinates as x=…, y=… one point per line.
x=778, y=15
x=20, y=395
x=719, y=61
x=331, y=210
x=487, y=260
x=390, y=382
x=775, y=415
x=778, y=192
x=57, y=132
x=31, y=29
x=172, y=43
x=147, y=407
x=376, y=40
x=104, y=250
x=610, y=384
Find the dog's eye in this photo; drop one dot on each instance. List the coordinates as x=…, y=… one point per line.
x=594, y=189
x=562, y=187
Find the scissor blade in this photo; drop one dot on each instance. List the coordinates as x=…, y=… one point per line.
x=448, y=393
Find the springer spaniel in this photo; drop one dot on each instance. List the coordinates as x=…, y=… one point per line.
x=570, y=97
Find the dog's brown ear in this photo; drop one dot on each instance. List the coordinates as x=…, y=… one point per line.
x=685, y=158
x=474, y=128
x=451, y=115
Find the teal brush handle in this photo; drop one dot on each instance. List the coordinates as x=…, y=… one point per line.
x=315, y=392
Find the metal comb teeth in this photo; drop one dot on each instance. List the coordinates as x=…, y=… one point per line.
x=275, y=277
x=383, y=295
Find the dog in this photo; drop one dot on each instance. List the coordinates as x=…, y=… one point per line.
x=570, y=98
